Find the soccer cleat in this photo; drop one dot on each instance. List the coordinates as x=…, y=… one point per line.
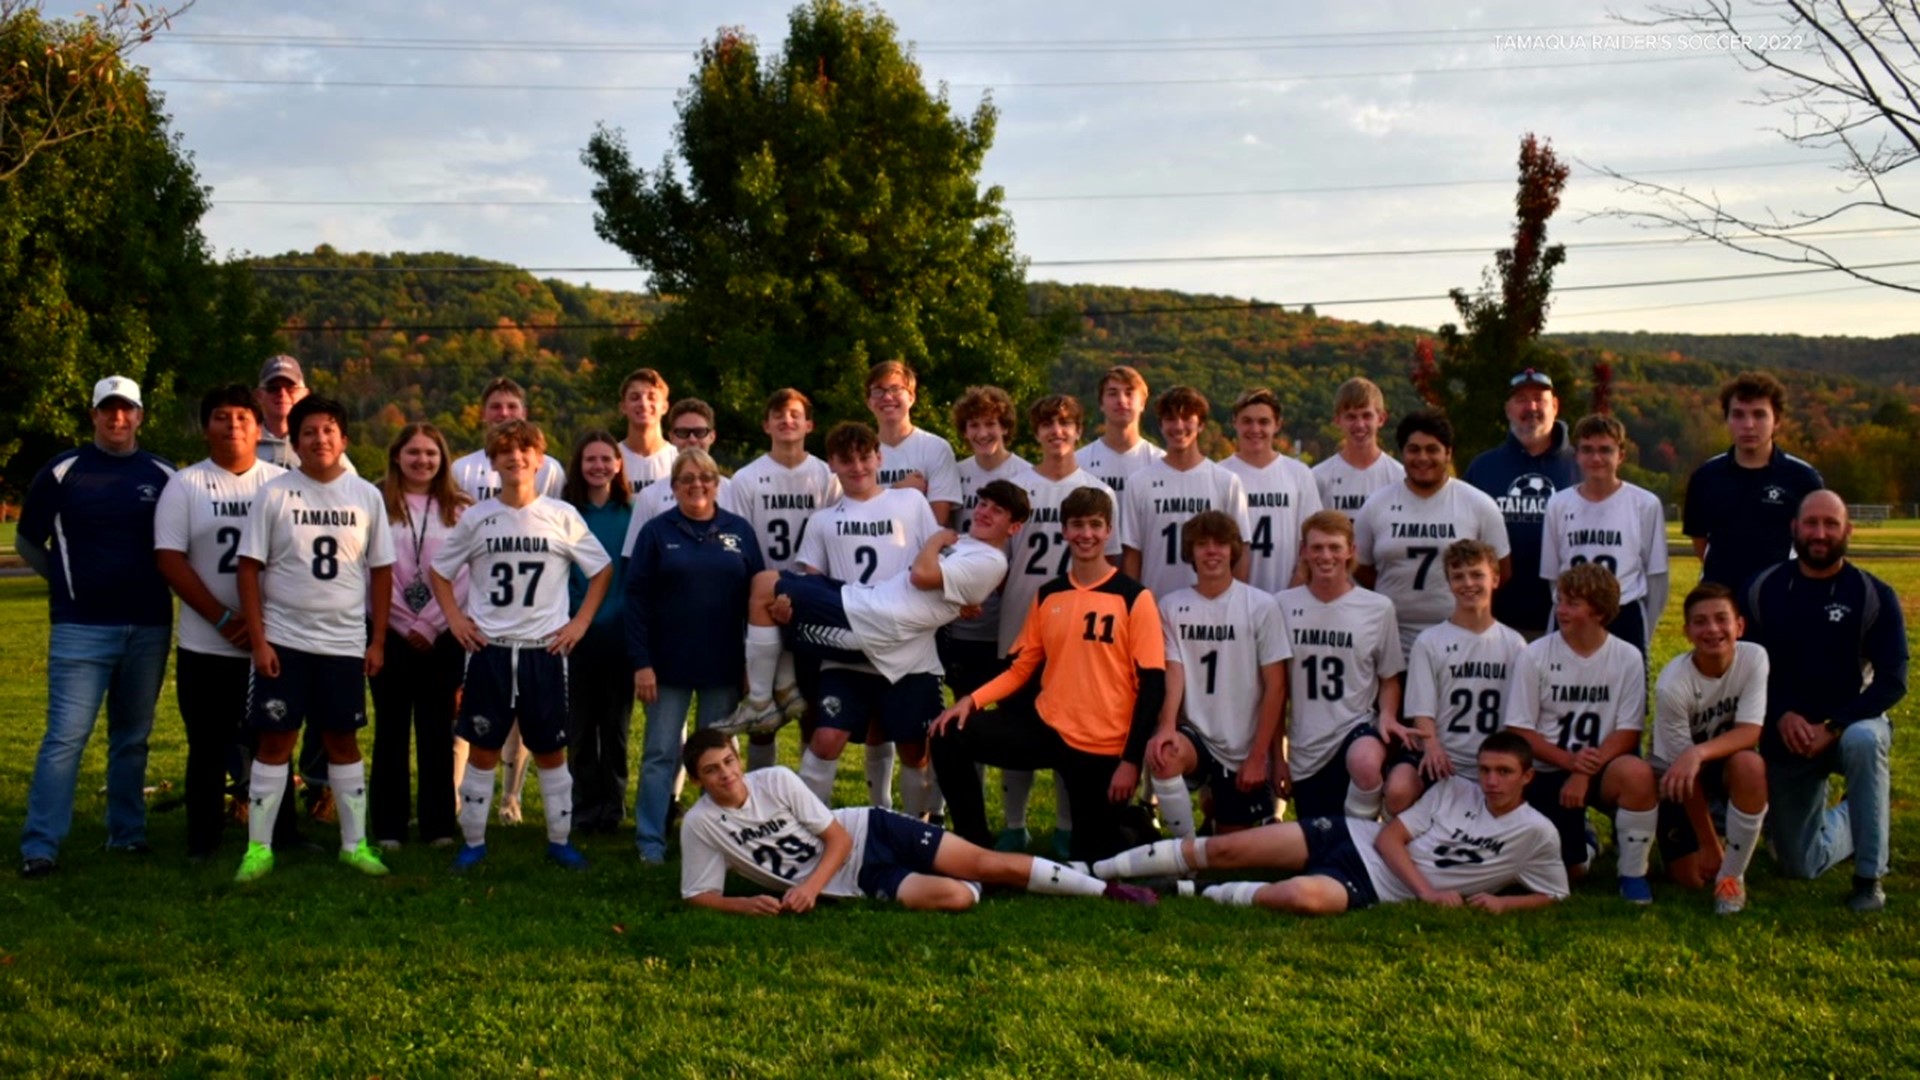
x=1593, y=843
x=1013, y=840
x=566, y=855
x=468, y=857
x=36, y=867
x=1729, y=896
x=1131, y=894
x=365, y=859
x=1867, y=896
x=255, y=864
x=791, y=707
x=1635, y=890
x=750, y=713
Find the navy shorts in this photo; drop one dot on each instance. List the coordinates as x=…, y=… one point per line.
x=969, y=665
x=897, y=846
x=505, y=683
x=1675, y=831
x=1543, y=794
x=330, y=692
x=851, y=701
x=1231, y=806
x=1324, y=794
x=1331, y=854
x=819, y=628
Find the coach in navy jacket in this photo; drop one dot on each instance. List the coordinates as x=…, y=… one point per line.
x=1522, y=474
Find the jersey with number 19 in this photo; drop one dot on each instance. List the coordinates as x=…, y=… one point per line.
x=1221, y=644
x=318, y=544
x=1460, y=678
x=518, y=559
x=1402, y=535
x=1040, y=551
x=1576, y=701
x=1279, y=497
x=772, y=839
x=1341, y=651
x=777, y=501
x=203, y=513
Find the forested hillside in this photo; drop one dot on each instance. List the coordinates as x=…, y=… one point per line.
x=397, y=345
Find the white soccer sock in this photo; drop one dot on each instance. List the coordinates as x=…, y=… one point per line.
x=350, y=800
x=1743, y=835
x=476, y=797
x=763, y=660
x=761, y=755
x=1364, y=803
x=1062, y=808
x=1160, y=858
x=913, y=789
x=1634, y=830
x=1176, y=805
x=1234, y=893
x=783, y=676
x=265, y=788
x=556, y=796
x=817, y=773
x=880, y=776
x=1199, y=859
x=1050, y=878
x=1016, y=785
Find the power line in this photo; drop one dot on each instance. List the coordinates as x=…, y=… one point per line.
x=359, y=84
x=1557, y=316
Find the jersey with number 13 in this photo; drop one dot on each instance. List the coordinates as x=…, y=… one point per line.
x=518, y=561
x=1341, y=651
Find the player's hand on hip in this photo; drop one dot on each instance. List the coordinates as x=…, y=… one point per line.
x=646, y=685
x=568, y=636
x=265, y=660
x=467, y=633
x=1126, y=779
x=1253, y=774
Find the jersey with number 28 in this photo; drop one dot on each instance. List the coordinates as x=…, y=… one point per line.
x=518, y=561
x=318, y=544
x=1459, y=678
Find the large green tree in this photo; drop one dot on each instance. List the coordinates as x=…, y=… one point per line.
x=823, y=214
x=103, y=269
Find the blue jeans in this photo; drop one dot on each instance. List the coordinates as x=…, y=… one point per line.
x=1810, y=837
x=123, y=665
x=660, y=757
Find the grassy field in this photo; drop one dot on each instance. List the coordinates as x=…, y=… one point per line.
x=154, y=967
x=1899, y=537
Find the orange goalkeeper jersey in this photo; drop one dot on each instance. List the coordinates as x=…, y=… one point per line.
x=1095, y=641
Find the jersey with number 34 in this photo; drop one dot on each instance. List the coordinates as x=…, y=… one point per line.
x=518, y=559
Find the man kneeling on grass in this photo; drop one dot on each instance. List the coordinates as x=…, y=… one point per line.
x=1461, y=843
x=766, y=826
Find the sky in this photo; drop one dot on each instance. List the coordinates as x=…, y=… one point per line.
x=1189, y=144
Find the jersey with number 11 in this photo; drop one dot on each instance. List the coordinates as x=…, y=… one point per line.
x=518, y=560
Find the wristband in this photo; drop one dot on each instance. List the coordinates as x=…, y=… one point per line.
x=226, y=616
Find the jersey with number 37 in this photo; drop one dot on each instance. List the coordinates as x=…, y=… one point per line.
x=773, y=839
x=518, y=560
x=1575, y=701
x=318, y=544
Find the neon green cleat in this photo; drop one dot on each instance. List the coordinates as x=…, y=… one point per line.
x=365, y=859
x=256, y=864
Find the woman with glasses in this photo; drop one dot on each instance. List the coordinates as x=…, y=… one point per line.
x=600, y=690
x=686, y=603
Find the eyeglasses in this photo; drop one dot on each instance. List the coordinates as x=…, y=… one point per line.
x=697, y=478
x=692, y=432
x=891, y=391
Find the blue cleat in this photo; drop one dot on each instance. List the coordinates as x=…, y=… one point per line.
x=1635, y=890
x=469, y=856
x=566, y=855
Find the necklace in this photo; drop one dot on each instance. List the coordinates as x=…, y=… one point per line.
x=416, y=594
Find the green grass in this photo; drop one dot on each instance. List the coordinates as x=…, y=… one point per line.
x=154, y=967
x=1900, y=536
x=7, y=529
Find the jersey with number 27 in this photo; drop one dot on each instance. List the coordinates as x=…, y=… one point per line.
x=1575, y=701
x=318, y=544
x=518, y=560
x=772, y=839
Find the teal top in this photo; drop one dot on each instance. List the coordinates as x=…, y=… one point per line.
x=609, y=526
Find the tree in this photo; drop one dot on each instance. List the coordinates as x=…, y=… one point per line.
x=829, y=218
x=103, y=270
x=1847, y=76
x=1503, y=321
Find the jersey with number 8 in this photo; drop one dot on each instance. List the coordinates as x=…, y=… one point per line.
x=1576, y=701
x=518, y=561
x=317, y=543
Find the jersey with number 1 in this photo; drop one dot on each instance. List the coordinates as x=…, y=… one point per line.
x=203, y=513
x=1279, y=497
x=973, y=477
x=1575, y=701
x=1403, y=536
x=773, y=839
x=777, y=501
x=1341, y=651
x=1221, y=643
x=518, y=558
x=1160, y=501
x=1626, y=532
x=1459, y=678
x=318, y=544
x=1039, y=550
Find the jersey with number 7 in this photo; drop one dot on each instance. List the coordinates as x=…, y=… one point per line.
x=1402, y=536
x=317, y=544
x=518, y=561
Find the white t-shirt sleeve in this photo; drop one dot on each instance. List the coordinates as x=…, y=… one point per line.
x=812, y=814
x=1363, y=533
x=257, y=541
x=1136, y=512
x=1630, y=704
x=813, y=545
x=1391, y=659
x=380, y=536
x=1272, y=645
x=553, y=478
x=970, y=576
x=1523, y=691
x=1654, y=522
x=1550, y=559
x=1233, y=498
x=173, y=517
x=703, y=869
x=457, y=551
x=1544, y=872
x=1423, y=690
x=943, y=473
x=924, y=523
x=582, y=546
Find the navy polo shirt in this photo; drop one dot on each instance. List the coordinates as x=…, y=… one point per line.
x=1746, y=515
x=95, y=512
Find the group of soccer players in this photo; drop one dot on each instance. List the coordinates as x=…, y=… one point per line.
x=1226, y=640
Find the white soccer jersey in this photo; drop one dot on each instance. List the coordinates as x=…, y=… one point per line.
x=1626, y=532
x=1460, y=678
x=927, y=454
x=777, y=501
x=518, y=561
x=203, y=513
x=1221, y=644
x=1160, y=501
x=1460, y=846
x=1345, y=488
x=646, y=470
x=1341, y=651
x=867, y=541
x=1114, y=467
x=972, y=478
x=1690, y=707
x=475, y=475
x=656, y=499
x=319, y=544
x=895, y=620
x=1403, y=537
x=1279, y=498
x=1040, y=551
x=1577, y=701
x=772, y=839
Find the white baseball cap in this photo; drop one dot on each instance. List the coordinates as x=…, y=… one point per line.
x=117, y=386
